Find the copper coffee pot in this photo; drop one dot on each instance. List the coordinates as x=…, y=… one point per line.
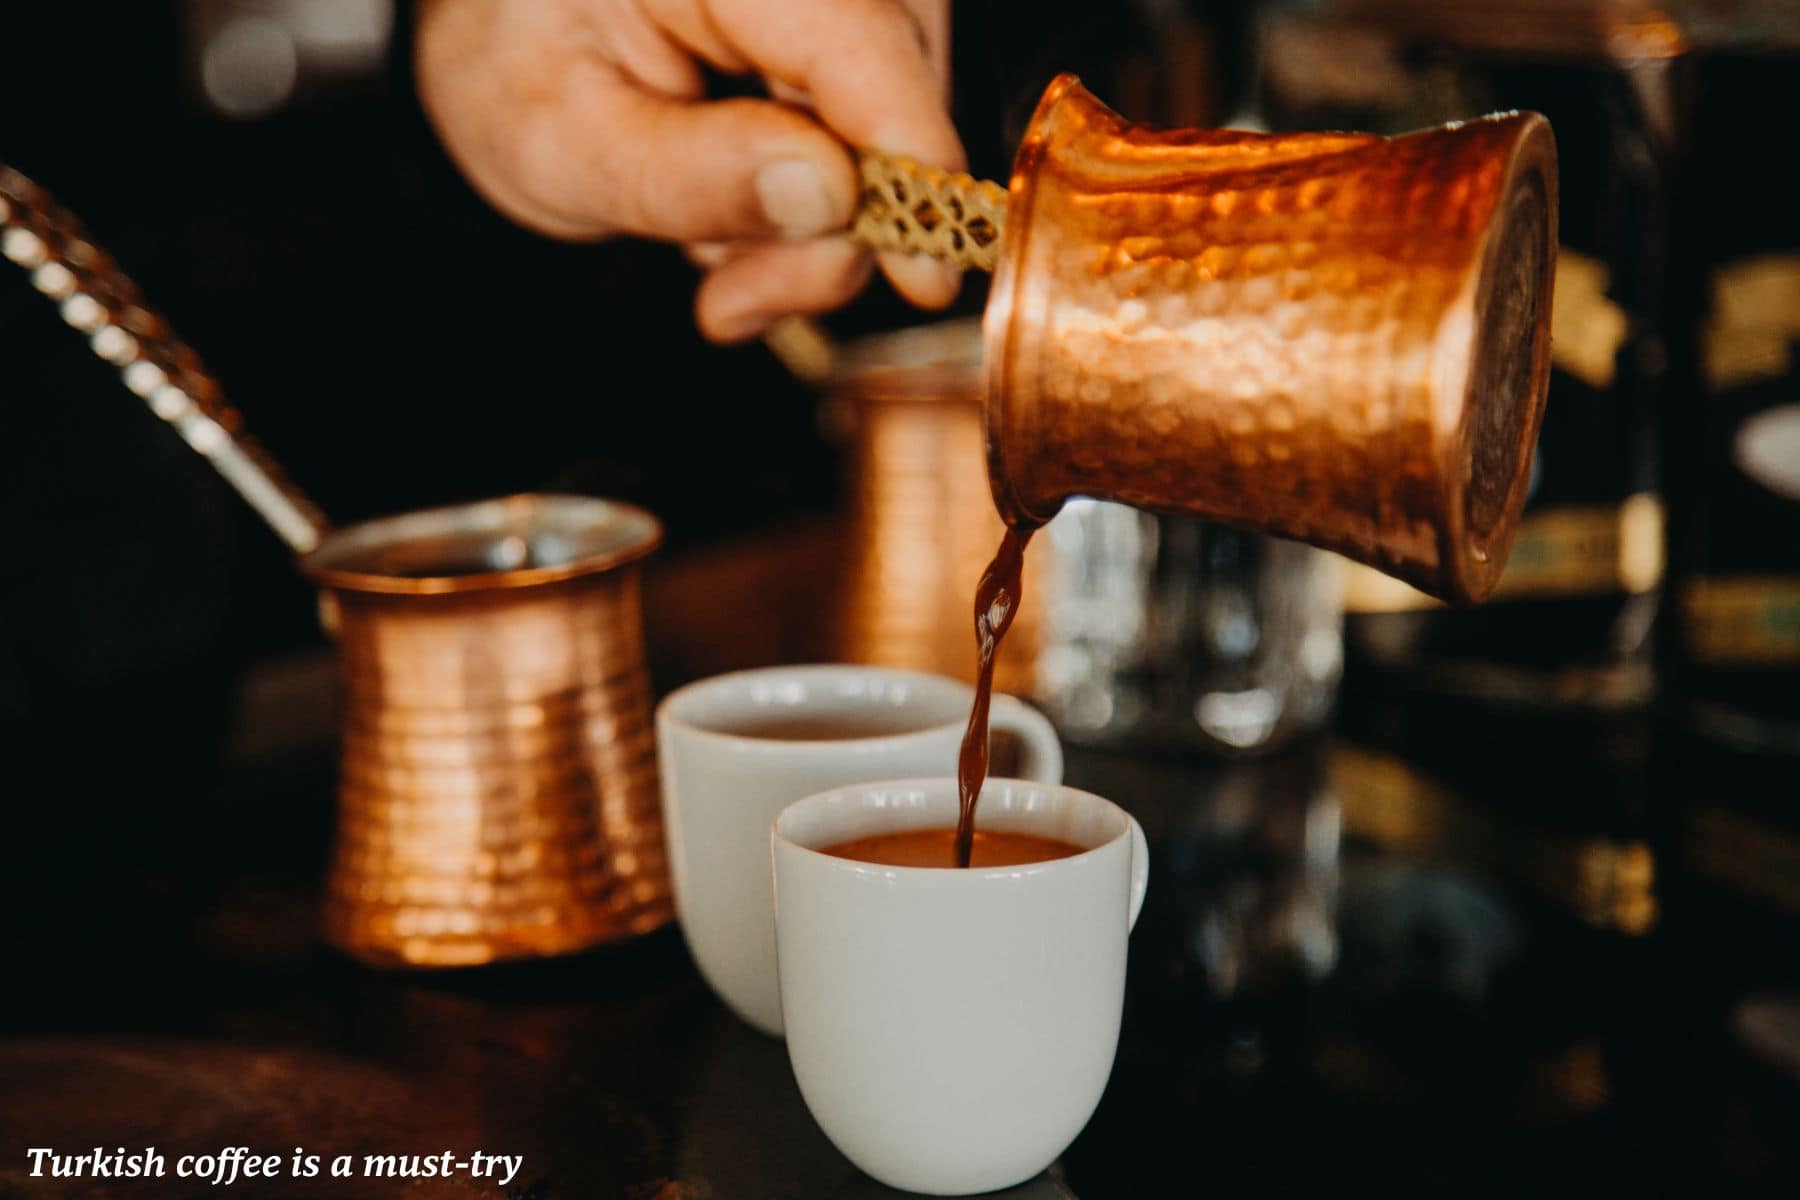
x=499, y=790
x=909, y=404
x=1339, y=338
x=499, y=795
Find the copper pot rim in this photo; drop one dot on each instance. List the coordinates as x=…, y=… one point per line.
x=1474, y=557
x=350, y=559
x=675, y=711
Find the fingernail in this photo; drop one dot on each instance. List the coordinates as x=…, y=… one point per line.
x=730, y=328
x=793, y=197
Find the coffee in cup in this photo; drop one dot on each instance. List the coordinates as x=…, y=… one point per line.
x=937, y=848
x=951, y=1028
x=737, y=749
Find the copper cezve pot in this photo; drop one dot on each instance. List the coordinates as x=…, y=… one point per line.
x=1334, y=337
x=499, y=792
x=923, y=523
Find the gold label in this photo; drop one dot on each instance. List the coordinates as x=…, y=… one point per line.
x=1755, y=320
x=1559, y=552
x=1744, y=619
x=1586, y=329
x=1384, y=800
x=1572, y=551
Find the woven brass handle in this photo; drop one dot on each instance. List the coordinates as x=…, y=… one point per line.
x=925, y=210
x=948, y=215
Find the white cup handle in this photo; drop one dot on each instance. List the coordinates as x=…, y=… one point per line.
x=1140, y=871
x=1043, y=758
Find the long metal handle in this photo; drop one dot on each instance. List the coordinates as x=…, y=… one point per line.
x=101, y=301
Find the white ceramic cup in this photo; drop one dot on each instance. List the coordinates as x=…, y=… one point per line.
x=952, y=1030
x=722, y=790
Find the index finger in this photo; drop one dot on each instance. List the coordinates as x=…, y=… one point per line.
x=869, y=66
x=874, y=72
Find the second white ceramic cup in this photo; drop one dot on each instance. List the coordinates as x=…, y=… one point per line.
x=723, y=785
x=952, y=1030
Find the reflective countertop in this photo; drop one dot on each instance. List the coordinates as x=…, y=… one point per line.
x=1434, y=954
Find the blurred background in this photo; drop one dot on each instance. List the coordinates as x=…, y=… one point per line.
x=1543, y=838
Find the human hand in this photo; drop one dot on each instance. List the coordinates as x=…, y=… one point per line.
x=585, y=119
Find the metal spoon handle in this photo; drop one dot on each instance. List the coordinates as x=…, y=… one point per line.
x=101, y=301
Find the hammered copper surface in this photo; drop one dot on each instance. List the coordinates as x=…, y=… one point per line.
x=1338, y=338
x=923, y=523
x=499, y=790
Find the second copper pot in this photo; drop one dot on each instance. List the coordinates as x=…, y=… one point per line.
x=499, y=790
x=923, y=523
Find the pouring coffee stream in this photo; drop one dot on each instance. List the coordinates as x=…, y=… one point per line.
x=997, y=598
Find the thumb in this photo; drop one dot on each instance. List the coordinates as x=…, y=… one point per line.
x=687, y=171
